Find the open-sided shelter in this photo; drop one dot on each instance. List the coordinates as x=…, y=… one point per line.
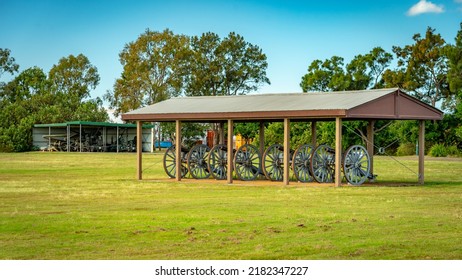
x=370, y=105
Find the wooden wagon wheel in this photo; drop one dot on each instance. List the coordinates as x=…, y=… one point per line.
x=273, y=162
x=301, y=163
x=247, y=162
x=323, y=164
x=197, y=161
x=356, y=165
x=218, y=162
x=170, y=162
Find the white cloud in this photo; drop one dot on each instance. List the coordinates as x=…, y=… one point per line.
x=424, y=6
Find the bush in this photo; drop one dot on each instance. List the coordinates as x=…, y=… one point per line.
x=453, y=151
x=406, y=149
x=438, y=150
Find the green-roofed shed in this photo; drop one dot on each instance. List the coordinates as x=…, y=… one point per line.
x=84, y=136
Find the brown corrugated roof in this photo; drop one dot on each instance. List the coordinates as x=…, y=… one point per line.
x=365, y=104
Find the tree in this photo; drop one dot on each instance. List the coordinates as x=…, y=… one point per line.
x=32, y=98
x=7, y=63
x=454, y=55
x=425, y=66
x=454, y=76
x=362, y=72
x=366, y=70
x=71, y=81
x=18, y=108
x=230, y=66
x=248, y=131
x=154, y=69
x=327, y=75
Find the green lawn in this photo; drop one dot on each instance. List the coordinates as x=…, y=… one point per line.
x=89, y=206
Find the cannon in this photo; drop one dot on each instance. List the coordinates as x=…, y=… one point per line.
x=201, y=162
x=218, y=161
x=247, y=161
x=273, y=163
x=307, y=164
x=170, y=161
x=355, y=163
x=193, y=161
x=197, y=161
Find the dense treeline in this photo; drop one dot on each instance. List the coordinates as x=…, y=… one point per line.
x=430, y=69
x=161, y=65
x=33, y=97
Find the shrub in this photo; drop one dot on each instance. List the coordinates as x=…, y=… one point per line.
x=438, y=150
x=453, y=151
x=406, y=149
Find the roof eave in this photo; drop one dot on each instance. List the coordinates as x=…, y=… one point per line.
x=221, y=116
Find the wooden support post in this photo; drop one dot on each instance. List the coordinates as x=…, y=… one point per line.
x=68, y=138
x=178, y=150
x=338, y=152
x=313, y=135
x=159, y=134
x=370, y=143
x=230, y=154
x=262, y=138
x=80, y=138
x=152, y=138
x=421, y=151
x=139, y=150
x=286, y=151
x=117, y=141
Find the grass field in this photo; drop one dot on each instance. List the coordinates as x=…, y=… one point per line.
x=89, y=206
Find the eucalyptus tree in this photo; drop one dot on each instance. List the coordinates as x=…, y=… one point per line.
x=7, y=62
x=425, y=66
x=365, y=71
x=454, y=55
x=228, y=66
x=324, y=76
x=71, y=81
x=154, y=69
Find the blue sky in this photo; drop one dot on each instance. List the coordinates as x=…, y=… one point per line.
x=290, y=33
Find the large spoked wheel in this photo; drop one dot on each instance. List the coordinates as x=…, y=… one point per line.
x=356, y=165
x=247, y=162
x=273, y=162
x=218, y=162
x=170, y=162
x=197, y=162
x=323, y=164
x=301, y=163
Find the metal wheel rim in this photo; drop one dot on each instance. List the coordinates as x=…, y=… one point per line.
x=273, y=162
x=301, y=163
x=323, y=164
x=197, y=161
x=170, y=162
x=247, y=162
x=218, y=162
x=356, y=165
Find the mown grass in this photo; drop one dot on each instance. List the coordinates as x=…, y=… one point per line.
x=89, y=206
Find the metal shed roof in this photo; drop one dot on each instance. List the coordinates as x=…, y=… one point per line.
x=86, y=123
x=364, y=104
